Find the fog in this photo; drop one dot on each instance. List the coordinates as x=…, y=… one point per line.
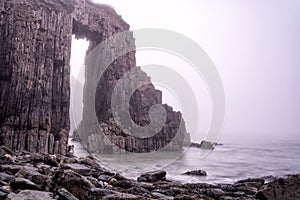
x=255, y=46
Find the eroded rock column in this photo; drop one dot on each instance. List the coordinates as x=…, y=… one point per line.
x=35, y=41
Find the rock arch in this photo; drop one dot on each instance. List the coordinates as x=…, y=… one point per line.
x=35, y=48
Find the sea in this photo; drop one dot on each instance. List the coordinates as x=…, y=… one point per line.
x=233, y=160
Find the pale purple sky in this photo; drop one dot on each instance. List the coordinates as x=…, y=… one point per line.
x=255, y=46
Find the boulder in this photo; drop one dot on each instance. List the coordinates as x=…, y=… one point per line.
x=6, y=177
x=79, y=168
x=206, y=145
x=45, y=169
x=194, y=144
x=65, y=195
x=3, y=193
x=23, y=184
x=30, y=195
x=37, y=157
x=125, y=184
x=281, y=188
x=196, y=173
x=104, y=178
x=88, y=161
x=76, y=184
x=51, y=160
x=215, y=193
x=33, y=175
x=112, y=181
x=10, y=169
x=136, y=190
x=153, y=176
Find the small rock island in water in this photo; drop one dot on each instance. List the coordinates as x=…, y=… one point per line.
x=36, y=162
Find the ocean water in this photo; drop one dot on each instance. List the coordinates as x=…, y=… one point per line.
x=234, y=160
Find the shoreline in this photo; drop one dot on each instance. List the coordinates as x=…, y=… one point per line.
x=36, y=176
x=134, y=167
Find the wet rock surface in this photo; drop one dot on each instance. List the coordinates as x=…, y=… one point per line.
x=196, y=173
x=281, y=188
x=31, y=178
x=153, y=176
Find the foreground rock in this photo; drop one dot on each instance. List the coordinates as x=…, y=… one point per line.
x=30, y=194
x=23, y=184
x=66, y=195
x=153, y=176
x=30, y=177
x=281, y=188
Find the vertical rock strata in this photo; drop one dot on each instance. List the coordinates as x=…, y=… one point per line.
x=35, y=41
x=35, y=49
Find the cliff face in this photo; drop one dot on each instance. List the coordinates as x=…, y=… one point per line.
x=35, y=48
x=35, y=41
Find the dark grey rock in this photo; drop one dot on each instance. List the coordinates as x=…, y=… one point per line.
x=153, y=176
x=6, y=177
x=37, y=157
x=147, y=186
x=139, y=191
x=23, y=184
x=30, y=194
x=94, y=181
x=196, y=173
x=3, y=195
x=104, y=178
x=206, y=145
x=281, y=188
x=4, y=190
x=97, y=192
x=252, y=180
x=78, y=185
x=79, y=168
x=125, y=184
x=33, y=175
x=65, y=195
x=88, y=161
x=51, y=160
x=158, y=195
x=216, y=193
x=45, y=169
x=10, y=169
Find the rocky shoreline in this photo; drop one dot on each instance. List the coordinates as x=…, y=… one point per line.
x=26, y=175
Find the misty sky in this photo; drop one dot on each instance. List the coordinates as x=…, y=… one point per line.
x=254, y=44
